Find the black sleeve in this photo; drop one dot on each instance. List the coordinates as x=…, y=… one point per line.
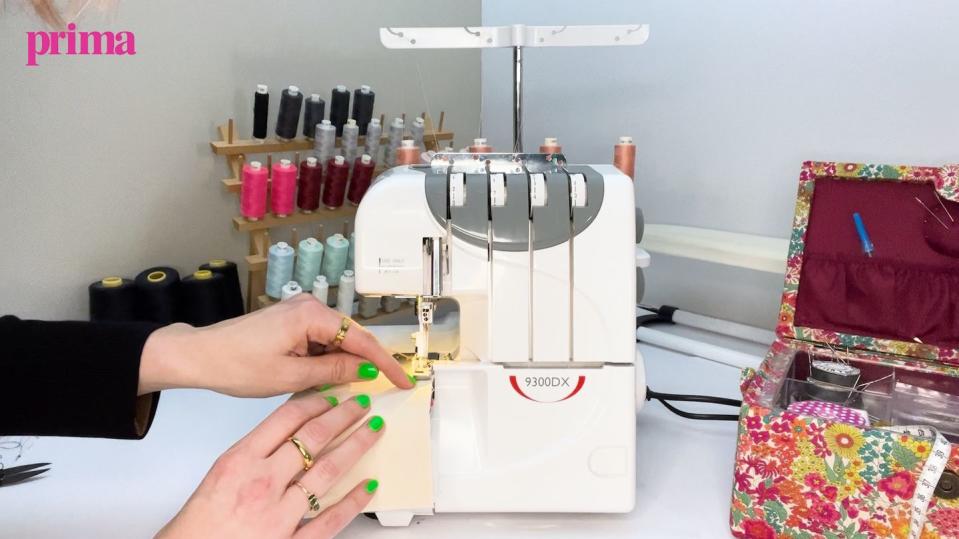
x=73, y=379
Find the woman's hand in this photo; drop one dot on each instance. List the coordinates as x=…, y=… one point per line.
x=280, y=349
x=249, y=491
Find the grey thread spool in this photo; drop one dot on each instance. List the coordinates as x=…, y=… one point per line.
x=325, y=142
x=363, y=107
x=369, y=306
x=417, y=129
x=395, y=135
x=373, y=133
x=391, y=304
x=312, y=115
x=351, y=132
x=291, y=101
x=833, y=382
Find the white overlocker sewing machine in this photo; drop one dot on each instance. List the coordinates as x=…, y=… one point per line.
x=535, y=410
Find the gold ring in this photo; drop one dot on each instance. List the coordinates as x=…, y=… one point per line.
x=310, y=497
x=304, y=452
x=341, y=334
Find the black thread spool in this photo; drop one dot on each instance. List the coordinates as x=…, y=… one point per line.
x=291, y=101
x=201, y=298
x=339, y=108
x=232, y=296
x=833, y=382
x=157, y=295
x=113, y=299
x=261, y=110
x=312, y=115
x=363, y=98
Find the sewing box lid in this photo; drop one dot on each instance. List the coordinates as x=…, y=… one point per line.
x=904, y=298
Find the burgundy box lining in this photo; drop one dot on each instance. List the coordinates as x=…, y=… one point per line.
x=910, y=287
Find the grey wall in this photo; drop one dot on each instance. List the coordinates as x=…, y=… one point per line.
x=726, y=100
x=106, y=167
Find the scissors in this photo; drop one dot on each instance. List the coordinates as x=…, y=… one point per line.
x=9, y=476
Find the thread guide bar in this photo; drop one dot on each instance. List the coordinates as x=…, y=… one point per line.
x=517, y=35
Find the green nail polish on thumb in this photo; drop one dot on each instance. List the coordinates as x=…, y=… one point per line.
x=372, y=485
x=367, y=371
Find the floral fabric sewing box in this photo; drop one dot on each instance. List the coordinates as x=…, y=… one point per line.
x=889, y=319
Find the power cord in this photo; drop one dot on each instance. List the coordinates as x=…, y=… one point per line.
x=665, y=399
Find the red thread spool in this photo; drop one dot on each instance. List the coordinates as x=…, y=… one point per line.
x=283, y=190
x=550, y=145
x=253, y=191
x=334, y=184
x=408, y=153
x=624, y=156
x=362, y=178
x=480, y=146
x=311, y=180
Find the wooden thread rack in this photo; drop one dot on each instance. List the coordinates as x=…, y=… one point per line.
x=236, y=151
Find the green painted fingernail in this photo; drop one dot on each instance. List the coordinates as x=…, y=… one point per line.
x=375, y=423
x=368, y=371
x=363, y=400
x=412, y=379
x=332, y=400
x=372, y=485
x=324, y=387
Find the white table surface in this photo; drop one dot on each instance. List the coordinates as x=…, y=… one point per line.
x=110, y=488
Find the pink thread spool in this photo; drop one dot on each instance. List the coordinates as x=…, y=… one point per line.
x=283, y=193
x=550, y=145
x=407, y=153
x=480, y=146
x=253, y=191
x=334, y=184
x=361, y=179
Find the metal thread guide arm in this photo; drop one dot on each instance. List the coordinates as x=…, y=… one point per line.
x=516, y=37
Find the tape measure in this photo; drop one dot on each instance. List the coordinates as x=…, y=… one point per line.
x=929, y=478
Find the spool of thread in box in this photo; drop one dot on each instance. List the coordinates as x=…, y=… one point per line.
x=345, y=293
x=261, y=111
x=361, y=179
x=283, y=191
x=551, y=145
x=407, y=153
x=290, y=290
x=373, y=133
x=417, y=129
x=291, y=101
x=351, y=133
x=480, y=146
x=624, y=156
x=325, y=144
x=395, y=138
x=310, y=182
x=233, y=297
x=334, y=258
x=339, y=108
x=253, y=191
x=334, y=183
x=351, y=252
x=363, y=98
x=279, y=268
x=157, y=289
x=313, y=114
x=321, y=289
x=368, y=306
x=113, y=299
x=202, y=298
x=309, y=257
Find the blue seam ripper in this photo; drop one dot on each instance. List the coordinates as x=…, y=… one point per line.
x=867, y=246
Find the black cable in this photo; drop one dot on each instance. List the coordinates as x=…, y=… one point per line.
x=664, y=398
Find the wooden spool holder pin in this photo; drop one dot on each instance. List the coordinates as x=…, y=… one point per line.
x=236, y=151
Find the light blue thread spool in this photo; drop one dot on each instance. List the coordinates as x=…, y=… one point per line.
x=349, y=257
x=334, y=259
x=279, y=269
x=308, y=259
